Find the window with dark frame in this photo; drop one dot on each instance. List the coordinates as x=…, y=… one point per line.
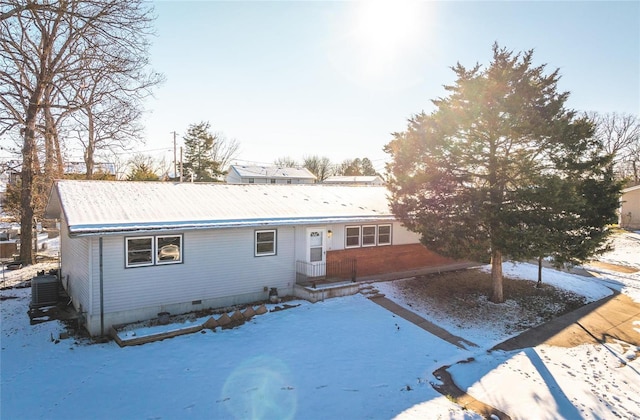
x=265, y=242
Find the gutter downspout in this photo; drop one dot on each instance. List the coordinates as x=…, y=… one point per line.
x=101, y=289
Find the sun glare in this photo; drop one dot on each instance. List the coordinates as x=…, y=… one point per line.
x=382, y=43
x=384, y=26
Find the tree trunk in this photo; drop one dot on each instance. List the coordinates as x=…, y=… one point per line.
x=496, y=277
x=26, y=177
x=88, y=153
x=539, y=284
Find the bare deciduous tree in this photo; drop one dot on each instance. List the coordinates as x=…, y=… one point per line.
x=620, y=136
x=321, y=167
x=44, y=48
x=224, y=150
x=286, y=162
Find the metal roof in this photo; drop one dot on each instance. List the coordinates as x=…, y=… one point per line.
x=272, y=172
x=363, y=179
x=103, y=207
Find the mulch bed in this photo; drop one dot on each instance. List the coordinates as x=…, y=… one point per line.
x=464, y=297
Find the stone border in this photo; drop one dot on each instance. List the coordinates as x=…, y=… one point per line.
x=224, y=321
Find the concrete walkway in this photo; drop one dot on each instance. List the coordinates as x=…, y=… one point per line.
x=603, y=321
x=411, y=316
x=608, y=320
x=422, y=323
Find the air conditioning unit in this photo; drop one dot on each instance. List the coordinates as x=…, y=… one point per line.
x=44, y=291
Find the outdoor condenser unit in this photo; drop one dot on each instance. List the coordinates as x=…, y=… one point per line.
x=44, y=291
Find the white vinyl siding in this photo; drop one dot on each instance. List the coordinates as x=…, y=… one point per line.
x=219, y=263
x=76, y=268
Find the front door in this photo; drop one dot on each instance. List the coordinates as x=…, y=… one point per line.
x=316, y=252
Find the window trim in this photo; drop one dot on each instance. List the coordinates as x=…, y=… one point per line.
x=378, y=235
x=126, y=252
x=167, y=262
x=346, y=236
x=255, y=243
x=154, y=251
x=375, y=235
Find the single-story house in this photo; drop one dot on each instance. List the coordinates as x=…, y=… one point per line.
x=131, y=250
x=354, y=180
x=240, y=174
x=630, y=208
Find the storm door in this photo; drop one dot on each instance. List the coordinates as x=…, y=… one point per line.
x=316, y=252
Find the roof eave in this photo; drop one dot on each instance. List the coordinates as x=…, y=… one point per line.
x=135, y=228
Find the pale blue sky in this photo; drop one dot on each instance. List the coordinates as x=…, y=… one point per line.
x=295, y=78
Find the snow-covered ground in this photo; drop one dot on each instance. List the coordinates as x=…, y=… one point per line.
x=626, y=253
x=342, y=358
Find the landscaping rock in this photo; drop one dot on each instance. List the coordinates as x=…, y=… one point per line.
x=237, y=316
x=211, y=323
x=249, y=313
x=224, y=320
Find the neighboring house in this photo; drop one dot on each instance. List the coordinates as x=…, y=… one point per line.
x=630, y=208
x=130, y=250
x=354, y=180
x=240, y=174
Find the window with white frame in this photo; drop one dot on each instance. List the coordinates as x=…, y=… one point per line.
x=169, y=249
x=352, y=237
x=139, y=251
x=265, y=242
x=144, y=251
x=369, y=235
x=384, y=234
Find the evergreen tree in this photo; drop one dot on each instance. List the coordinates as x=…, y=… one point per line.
x=142, y=169
x=497, y=156
x=200, y=162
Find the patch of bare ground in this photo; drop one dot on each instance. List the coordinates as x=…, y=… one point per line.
x=462, y=297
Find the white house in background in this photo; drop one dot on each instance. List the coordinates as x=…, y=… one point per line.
x=240, y=174
x=130, y=250
x=354, y=180
x=630, y=208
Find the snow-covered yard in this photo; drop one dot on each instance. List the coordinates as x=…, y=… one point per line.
x=342, y=358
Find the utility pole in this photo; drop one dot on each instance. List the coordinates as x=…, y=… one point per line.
x=175, y=160
x=180, y=163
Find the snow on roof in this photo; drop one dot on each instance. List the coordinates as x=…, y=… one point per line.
x=272, y=172
x=101, y=207
x=362, y=179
